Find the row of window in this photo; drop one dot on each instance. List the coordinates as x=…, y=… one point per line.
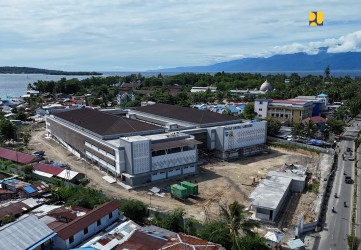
x=101, y=151
x=280, y=115
x=86, y=230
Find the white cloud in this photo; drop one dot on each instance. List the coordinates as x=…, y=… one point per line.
x=138, y=34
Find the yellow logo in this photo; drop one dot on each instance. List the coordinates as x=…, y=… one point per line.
x=316, y=18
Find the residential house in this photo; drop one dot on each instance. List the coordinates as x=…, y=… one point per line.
x=6, y=194
x=18, y=207
x=78, y=230
x=318, y=120
x=46, y=172
x=28, y=232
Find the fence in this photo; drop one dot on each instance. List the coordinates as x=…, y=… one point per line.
x=330, y=151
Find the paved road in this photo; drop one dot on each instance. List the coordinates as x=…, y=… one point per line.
x=338, y=224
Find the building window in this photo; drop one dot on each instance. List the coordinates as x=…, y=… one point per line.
x=281, y=115
x=286, y=116
x=277, y=115
x=71, y=239
x=260, y=102
x=273, y=115
x=110, y=215
x=86, y=230
x=259, y=115
x=259, y=109
x=99, y=222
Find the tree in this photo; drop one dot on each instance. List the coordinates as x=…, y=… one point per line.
x=217, y=232
x=327, y=72
x=335, y=126
x=353, y=242
x=310, y=129
x=253, y=242
x=7, y=219
x=7, y=130
x=134, y=209
x=248, y=112
x=234, y=217
x=273, y=126
x=174, y=220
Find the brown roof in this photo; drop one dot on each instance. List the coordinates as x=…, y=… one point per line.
x=186, y=114
x=17, y=156
x=71, y=228
x=13, y=209
x=314, y=119
x=55, y=224
x=174, y=144
x=142, y=241
x=103, y=123
x=5, y=191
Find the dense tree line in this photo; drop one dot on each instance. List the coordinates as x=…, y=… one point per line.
x=339, y=89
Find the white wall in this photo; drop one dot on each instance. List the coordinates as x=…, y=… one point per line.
x=244, y=135
x=141, y=156
x=173, y=160
x=158, y=176
x=187, y=170
x=174, y=172
x=260, y=107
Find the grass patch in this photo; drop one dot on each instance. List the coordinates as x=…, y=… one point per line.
x=313, y=187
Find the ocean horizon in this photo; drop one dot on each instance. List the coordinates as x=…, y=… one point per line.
x=15, y=85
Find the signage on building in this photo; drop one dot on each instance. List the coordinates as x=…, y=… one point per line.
x=229, y=130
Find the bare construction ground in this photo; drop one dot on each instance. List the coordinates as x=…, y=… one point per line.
x=219, y=182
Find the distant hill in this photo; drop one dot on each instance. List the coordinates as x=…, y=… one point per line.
x=27, y=70
x=290, y=62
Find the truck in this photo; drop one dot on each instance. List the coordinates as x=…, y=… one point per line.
x=179, y=192
x=191, y=187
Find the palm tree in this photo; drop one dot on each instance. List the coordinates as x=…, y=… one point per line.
x=235, y=218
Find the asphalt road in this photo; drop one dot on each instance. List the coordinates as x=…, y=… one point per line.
x=338, y=224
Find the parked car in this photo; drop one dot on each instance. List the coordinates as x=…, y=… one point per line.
x=351, y=159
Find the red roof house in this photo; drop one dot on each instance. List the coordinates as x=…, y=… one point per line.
x=16, y=156
x=46, y=168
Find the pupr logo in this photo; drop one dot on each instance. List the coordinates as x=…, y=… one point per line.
x=316, y=18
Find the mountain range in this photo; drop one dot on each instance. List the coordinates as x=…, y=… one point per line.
x=288, y=62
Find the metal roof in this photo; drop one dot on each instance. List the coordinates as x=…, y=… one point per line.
x=27, y=232
x=103, y=123
x=186, y=114
x=174, y=144
x=46, y=168
x=17, y=156
x=69, y=229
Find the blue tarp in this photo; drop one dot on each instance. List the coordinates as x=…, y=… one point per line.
x=316, y=142
x=29, y=189
x=59, y=165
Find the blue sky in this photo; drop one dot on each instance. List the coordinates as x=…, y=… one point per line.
x=137, y=35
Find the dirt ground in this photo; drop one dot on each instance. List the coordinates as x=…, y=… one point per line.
x=220, y=182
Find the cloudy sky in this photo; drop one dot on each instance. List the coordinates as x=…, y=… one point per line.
x=137, y=35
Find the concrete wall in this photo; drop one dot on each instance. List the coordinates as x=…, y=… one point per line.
x=260, y=107
x=297, y=186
